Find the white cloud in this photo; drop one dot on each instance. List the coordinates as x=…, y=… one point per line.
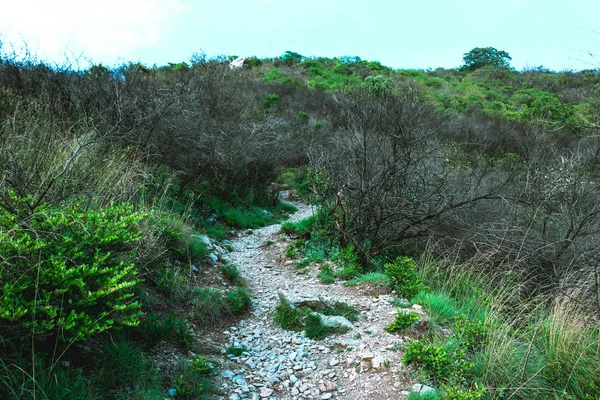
x=101, y=30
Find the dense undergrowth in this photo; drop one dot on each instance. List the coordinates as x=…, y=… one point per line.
x=120, y=186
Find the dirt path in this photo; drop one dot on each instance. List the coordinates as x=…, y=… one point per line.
x=281, y=364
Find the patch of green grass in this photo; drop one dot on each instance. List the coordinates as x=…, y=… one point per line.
x=342, y=309
x=192, y=383
x=210, y=305
x=315, y=329
x=236, y=351
x=216, y=231
x=291, y=319
x=197, y=248
x=403, y=321
x=371, y=278
x=124, y=366
x=441, y=307
x=232, y=274
x=326, y=275
x=237, y=300
x=301, y=227
x=17, y=382
x=153, y=330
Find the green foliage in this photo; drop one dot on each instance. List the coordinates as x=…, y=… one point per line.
x=201, y=365
x=342, y=309
x=275, y=75
x=326, y=274
x=20, y=382
x=270, y=102
x=124, y=366
x=428, y=395
x=236, y=351
x=473, y=334
x=210, y=306
x=441, y=307
x=456, y=393
x=289, y=318
x=378, y=85
x=433, y=359
x=216, y=231
x=232, y=274
x=403, y=321
x=290, y=58
x=347, y=260
x=237, y=300
x=404, y=277
x=152, y=330
x=192, y=383
x=68, y=271
x=315, y=329
x=481, y=57
x=370, y=278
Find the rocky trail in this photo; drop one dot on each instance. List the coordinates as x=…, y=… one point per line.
x=280, y=364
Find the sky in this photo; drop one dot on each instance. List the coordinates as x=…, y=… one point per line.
x=558, y=34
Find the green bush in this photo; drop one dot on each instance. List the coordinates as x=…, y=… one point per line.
x=403, y=321
x=68, y=271
x=347, y=259
x=236, y=351
x=456, y=393
x=202, y=366
x=433, y=359
x=405, y=279
x=371, y=278
x=192, y=383
x=473, y=334
x=342, y=309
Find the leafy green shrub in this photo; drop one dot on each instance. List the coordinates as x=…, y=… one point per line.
x=289, y=318
x=405, y=279
x=202, y=366
x=270, y=101
x=197, y=248
x=473, y=334
x=68, y=271
x=433, y=359
x=347, y=259
x=275, y=75
x=403, y=321
x=456, y=393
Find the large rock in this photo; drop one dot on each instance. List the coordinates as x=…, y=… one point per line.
x=336, y=321
x=421, y=389
x=299, y=301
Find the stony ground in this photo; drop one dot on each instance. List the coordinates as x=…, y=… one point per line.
x=280, y=364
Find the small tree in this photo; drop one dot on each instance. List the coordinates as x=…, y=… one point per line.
x=481, y=57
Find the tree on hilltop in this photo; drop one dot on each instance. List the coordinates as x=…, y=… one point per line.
x=481, y=57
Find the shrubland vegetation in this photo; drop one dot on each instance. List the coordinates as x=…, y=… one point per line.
x=112, y=178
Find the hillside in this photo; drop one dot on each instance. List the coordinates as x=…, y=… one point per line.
x=456, y=223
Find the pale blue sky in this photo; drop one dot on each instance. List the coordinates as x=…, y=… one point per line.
x=400, y=34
